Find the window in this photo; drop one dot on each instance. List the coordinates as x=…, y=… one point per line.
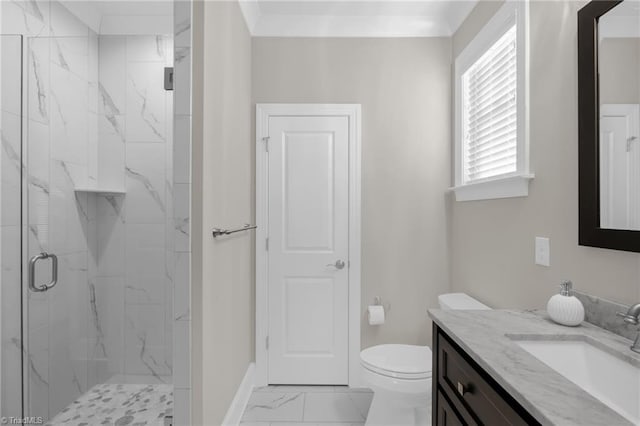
x=491, y=146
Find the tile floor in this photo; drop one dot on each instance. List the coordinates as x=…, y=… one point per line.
x=119, y=404
x=307, y=406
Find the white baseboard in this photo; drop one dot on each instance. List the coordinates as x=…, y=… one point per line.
x=240, y=400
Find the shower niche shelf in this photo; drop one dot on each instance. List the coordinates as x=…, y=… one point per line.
x=102, y=191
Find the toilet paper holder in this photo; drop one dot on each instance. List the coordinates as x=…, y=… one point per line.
x=378, y=301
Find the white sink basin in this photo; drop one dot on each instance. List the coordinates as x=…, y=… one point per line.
x=612, y=380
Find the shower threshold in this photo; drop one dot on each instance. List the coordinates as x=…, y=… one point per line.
x=118, y=405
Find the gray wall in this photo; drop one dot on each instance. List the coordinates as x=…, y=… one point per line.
x=492, y=243
x=223, y=307
x=404, y=88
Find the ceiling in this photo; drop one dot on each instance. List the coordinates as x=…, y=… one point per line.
x=124, y=17
x=355, y=18
x=290, y=18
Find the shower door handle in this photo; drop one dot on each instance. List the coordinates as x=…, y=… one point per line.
x=32, y=272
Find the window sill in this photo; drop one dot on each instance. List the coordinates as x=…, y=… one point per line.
x=506, y=187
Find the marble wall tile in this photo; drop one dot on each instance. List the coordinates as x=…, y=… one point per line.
x=145, y=245
x=182, y=215
x=181, y=354
x=68, y=117
x=107, y=318
x=25, y=17
x=182, y=80
x=38, y=171
x=11, y=349
x=169, y=145
x=182, y=290
x=182, y=149
x=10, y=276
x=92, y=150
x=38, y=66
x=145, y=167
x=11, y=377
x=111, y=152
x=37, y=371
x=168, y=357
x=182, y=23
x=110, y=239
x=37, y=314
x=182, y=175
x=146, y=287
x=168, y=327
x=11, y=167
x=113, y=76
x=72, y=55
x=169, y=50
x=69, y=332
x=68, y=215
x=152, y=48
x=145, y=180
x=144, y=341
x=182, y=407
x=64, y=23
x=144, y=325
x=93, y=75
x=10, y=74
x=92, y=239
x=68, y=303
x=146, y=97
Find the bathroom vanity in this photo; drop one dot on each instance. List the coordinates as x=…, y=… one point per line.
x=517, y=367
x=465, y=393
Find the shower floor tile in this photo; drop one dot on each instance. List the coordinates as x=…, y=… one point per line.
x=119, y=404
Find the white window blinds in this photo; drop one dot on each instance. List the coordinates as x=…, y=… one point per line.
x=489, y=112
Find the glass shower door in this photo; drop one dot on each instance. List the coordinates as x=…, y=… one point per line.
x=10, y=223
x=57, y=293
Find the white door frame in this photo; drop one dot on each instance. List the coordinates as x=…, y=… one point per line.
x=353, y=113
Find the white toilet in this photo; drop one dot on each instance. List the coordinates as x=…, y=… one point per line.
x=400, y=375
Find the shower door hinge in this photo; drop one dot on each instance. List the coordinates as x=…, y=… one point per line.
x=266, y=244
x=266, y=143
x=168, y=78
x=266, y=342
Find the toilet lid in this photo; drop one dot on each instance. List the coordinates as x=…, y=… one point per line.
x=400, y=361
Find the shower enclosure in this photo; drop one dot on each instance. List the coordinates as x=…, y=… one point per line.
x=87, y=225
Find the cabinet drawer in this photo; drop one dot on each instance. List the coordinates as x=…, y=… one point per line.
x=446, y=415
x=463, y=383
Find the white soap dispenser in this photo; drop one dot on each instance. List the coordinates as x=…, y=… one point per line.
x=564, y=308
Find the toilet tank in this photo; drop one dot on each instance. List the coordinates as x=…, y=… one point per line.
x=460, y=301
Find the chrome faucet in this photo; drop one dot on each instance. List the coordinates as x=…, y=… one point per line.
x=633, y=317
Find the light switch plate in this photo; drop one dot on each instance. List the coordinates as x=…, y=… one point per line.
x=543, y=251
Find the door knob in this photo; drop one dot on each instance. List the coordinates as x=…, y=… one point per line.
x=338, y=265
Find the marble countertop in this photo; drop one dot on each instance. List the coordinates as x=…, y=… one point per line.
x=489, y=337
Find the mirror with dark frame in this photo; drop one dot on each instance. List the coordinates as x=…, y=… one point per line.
x=609, y=124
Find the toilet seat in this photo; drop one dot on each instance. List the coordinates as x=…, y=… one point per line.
x=408, y=362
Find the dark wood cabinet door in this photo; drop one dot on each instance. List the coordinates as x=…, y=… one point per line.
x=446, y=415
x=473, y=395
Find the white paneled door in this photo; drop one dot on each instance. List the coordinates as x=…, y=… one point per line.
x=620, y=166
x=308, y=249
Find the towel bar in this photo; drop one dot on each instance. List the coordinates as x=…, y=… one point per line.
x=219, y=231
